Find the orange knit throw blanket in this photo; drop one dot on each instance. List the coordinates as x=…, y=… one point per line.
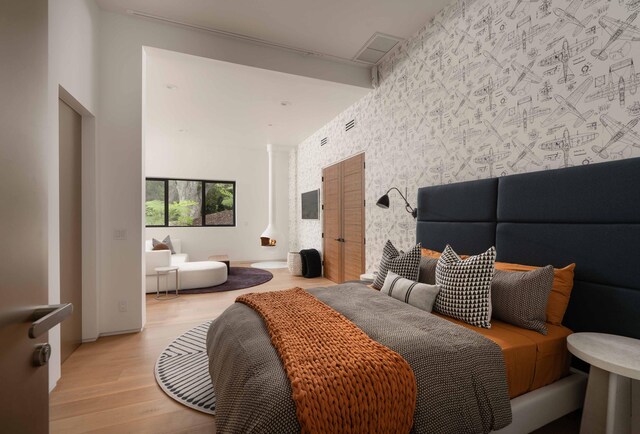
x=342, y=380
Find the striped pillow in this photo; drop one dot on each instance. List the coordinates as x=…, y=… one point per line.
x=416, y=294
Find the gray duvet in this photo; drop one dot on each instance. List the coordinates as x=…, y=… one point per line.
x=462, y=386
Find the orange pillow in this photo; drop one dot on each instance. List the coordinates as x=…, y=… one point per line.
x=431, y=253
x=560, y=292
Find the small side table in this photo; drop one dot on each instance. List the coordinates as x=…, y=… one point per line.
x=368, y=277
x=612, y=403
x=164, y=271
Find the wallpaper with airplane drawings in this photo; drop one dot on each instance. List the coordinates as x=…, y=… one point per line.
x=488, y=88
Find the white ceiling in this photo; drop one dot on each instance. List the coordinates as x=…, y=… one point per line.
x=226, y=104
x=335, y=27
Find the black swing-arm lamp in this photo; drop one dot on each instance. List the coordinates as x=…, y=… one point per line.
x=383, y=202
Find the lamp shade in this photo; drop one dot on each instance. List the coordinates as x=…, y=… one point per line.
x=383, y=202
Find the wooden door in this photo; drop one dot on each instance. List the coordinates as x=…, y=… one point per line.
x=24, y=138
x=343, y=219
x=353, y=217
x=70, y=151
x=332, y=222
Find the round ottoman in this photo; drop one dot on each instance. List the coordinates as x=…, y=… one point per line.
x=294, y=262
x=202, y=274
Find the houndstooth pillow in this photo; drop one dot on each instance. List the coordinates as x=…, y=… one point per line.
x=520, y=298
x=405, y=265
x=465, y=286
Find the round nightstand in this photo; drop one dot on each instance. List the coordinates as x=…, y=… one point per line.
x=368, y=277
x=614, y=382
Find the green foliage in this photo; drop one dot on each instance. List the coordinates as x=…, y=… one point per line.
x=218, y=197
x=180, y=213
x=154, y=211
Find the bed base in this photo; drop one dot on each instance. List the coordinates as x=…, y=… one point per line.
x=535, y=409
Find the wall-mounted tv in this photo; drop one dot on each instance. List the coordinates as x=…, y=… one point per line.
x=310, y=205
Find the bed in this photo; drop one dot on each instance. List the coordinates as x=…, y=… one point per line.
x=589, y=215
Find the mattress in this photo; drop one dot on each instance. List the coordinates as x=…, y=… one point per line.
x=532, y=360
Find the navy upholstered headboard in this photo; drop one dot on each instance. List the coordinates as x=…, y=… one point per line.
x=589, y=215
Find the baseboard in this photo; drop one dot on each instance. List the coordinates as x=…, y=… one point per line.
x=121, y=332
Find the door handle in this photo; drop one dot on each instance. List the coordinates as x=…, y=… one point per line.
x=340, y=240
x=46, y=317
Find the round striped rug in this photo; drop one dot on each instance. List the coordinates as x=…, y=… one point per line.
x=182, y=371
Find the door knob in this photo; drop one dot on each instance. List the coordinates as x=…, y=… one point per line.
x=41, y=354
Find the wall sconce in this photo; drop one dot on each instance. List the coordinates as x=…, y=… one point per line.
x=383, y=202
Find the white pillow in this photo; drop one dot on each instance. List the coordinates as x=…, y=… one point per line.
x=420, y=295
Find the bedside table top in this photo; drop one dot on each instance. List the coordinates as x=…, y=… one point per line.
x=617, y=354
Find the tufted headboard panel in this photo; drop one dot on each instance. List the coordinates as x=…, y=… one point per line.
x=589, y=215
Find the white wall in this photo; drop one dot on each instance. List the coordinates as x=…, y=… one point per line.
x=120, y=138
x=249, y=168
x=431, y=120
x=73, y=39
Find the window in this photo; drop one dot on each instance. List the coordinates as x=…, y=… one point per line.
x=190, y=203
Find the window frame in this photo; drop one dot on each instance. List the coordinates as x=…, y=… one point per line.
x=203, y=183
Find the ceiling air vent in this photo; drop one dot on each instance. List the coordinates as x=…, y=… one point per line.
x=376, y=48
x=324, y=141
x=349, y=125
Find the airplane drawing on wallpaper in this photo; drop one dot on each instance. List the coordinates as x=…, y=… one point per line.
x=489, y=88
x=512, y=13
x=491, y=159
x=492, y=127
x=437, y=55
x=487, y=21
x=524, y=74
x=464, y=165
x=520, y=38
x=567, y=143
x=526, y=116
x=462, y=134
x=459, y=9
x=464, y=99
x=567, y=16
x=620, y=133
x=624, y=84
x=565, y=54
x=441, y=169
x=464, y=36
x=491, y=56
x=526, y=153
x=568, y=105
x=622, y=30
x=463, y=69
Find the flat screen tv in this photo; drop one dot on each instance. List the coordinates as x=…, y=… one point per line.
x=310, y=205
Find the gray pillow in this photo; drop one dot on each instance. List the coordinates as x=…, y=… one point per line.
x=416, y=294
x=520, y=297
x=167, y=241
x=427, y=270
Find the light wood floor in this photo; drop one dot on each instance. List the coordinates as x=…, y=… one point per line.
x=108, y=386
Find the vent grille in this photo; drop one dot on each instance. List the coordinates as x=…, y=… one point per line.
x=376, y=48
x=324, y=141
x=350, y=125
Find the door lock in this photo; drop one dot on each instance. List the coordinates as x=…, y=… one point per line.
x=41, y=354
